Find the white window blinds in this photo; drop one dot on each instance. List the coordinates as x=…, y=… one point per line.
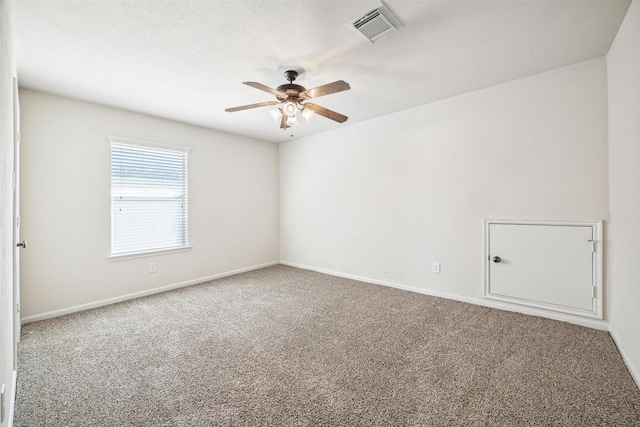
x=148, y=197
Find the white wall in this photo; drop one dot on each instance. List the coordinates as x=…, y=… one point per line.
x=383, y=199
x=233, y=204
x=7, y=72
x=623, y=62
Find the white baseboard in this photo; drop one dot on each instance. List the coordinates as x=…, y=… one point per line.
x=108, y=301
x=12, y=403
x=590, y=323
x=633, y=370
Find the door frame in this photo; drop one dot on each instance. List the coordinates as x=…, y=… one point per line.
x=16, y=222
x=597, y=265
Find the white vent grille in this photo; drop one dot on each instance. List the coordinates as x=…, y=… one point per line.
x=377, y=23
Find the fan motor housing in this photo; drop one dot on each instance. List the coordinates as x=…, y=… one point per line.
x=292, y=90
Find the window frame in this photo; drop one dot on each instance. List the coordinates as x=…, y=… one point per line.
x=152, y=145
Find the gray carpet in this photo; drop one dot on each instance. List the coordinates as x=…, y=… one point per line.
x=287, y=347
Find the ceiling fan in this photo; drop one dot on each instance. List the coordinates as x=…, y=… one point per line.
x=293, y=98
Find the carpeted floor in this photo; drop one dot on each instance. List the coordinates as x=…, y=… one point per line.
x=287, y=347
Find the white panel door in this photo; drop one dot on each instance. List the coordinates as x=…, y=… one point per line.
x=551, y=266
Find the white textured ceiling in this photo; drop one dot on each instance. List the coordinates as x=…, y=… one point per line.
x=186, y=60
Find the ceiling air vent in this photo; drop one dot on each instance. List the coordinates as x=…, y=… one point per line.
x=377, y=23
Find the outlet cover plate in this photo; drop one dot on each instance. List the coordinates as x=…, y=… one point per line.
x=436, y=267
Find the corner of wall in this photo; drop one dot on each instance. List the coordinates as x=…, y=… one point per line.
x=623, y=271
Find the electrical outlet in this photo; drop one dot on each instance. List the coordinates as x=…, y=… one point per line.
x=293, y=247
x=153, y=267
x=436, y=267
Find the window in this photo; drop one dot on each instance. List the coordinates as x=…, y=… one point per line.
x=148, y=197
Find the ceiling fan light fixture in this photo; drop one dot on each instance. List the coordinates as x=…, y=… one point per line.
x=276, y=114
x=307, y=113
x=290, y=109
x=292, y=121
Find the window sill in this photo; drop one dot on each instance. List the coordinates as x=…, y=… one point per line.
x=134, y=255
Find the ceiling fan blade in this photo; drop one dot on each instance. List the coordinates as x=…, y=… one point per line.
x=246, y=107
x=283, y=120
x=260, y=86
x=325, y=112
x=323, y=90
